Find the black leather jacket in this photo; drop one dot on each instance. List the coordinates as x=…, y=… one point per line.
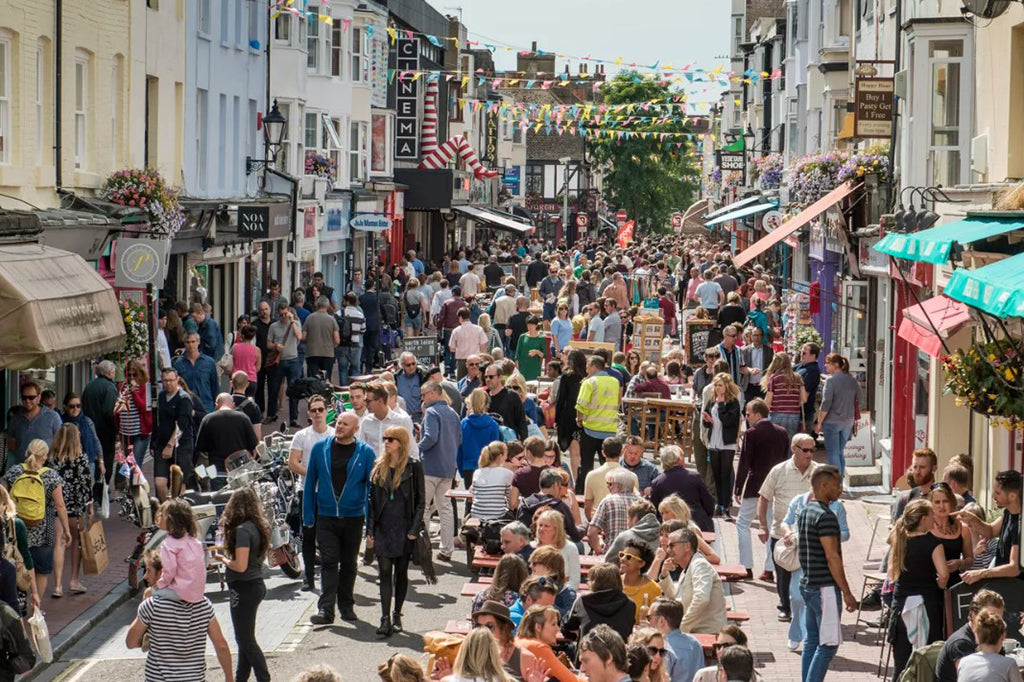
x=412, y=484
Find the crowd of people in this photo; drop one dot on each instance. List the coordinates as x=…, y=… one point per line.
x=609, y=563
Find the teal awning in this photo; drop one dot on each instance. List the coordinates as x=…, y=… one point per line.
x=742, y=213
x=733, y=206
x=933, y=245
x=997, y=288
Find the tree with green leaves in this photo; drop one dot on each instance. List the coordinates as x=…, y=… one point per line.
x=650, y=176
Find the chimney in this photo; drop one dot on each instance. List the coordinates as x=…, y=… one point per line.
x=533, y=47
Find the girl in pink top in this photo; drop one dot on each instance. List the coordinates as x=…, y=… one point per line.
x=245, y=354
x=182, y=555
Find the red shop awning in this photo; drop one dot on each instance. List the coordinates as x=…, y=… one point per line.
x=795, y=223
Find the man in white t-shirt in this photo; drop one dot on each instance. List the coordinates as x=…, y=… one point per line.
x=470, y=282
x=379, y=416
x=298, y=458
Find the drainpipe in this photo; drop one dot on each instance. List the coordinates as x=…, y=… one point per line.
x=266, y=107
x=58, y=20
x=895, y=108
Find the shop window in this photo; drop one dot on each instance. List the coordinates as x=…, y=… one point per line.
x=337, y=50
x=358, y=153
x=358, y=54
x=946, y=144
x=83, y=85
x=283, y=28
x=203, y=16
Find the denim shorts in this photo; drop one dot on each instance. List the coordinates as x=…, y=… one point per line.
x=42, y=557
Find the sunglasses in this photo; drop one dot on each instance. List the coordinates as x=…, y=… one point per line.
x=317, y=410
x=390, y=439
x=803, y=449
x=75, y=406
x=472, y=364
x=940, y=484
x=491, y=376
x=718, y=646
x=29, y=397
x=629, y=555
x=652, y=650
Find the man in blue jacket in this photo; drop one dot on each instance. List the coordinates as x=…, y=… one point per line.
x=439, y=446
x=335, y=496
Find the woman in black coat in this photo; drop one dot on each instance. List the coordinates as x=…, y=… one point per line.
x=565, y=408
x=394, y=522
x=720, y=424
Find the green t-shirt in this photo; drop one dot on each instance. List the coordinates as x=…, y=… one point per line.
x=529, y=365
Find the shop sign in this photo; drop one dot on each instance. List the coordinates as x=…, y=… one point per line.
x=872, y=262
x=369, y=222
x=254, y=222
x=873, y=107
x=491, y=138
x=141, y=262
x=859, y=451
x=407, y=101
x=335, y=220
x=309, y=223
x=730, y=161
x=511, y=179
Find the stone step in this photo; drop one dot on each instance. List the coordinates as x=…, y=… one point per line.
x=857, y=477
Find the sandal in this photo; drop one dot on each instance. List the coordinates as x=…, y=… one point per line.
x=78, y=590
x=56, y=594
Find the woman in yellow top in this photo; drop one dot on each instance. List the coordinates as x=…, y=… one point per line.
x=538, y=634
x=633, y=561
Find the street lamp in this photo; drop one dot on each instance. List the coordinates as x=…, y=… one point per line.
x=274, y=124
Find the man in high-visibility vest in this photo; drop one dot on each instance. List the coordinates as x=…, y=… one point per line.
x=597, y=411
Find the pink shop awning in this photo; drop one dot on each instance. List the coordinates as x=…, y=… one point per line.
x=926, y=324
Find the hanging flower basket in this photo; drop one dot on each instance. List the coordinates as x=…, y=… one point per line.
x=136, y=330
x=988, y=378
x=766, y=171
x=816, y=175
x=145, y=188
x=322, y=166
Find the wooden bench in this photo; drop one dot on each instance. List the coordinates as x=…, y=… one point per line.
x=737, y=616
x=730, y=572
x=707, y=643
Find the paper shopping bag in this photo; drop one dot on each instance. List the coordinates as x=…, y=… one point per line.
x=94, y=550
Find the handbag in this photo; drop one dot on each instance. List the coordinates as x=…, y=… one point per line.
x=273, y=354
x=12, y=554
x=40, y=636
x=786, y=556
x=226, y=364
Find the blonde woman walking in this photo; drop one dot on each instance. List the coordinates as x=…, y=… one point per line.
x=72, y=465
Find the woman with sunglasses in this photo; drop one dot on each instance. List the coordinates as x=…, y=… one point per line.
x=654, y=642
x=134, y=415
x=561, y=327
x=394, y=521
x=954, y=536
x=634, y=559
x=721, y=420
x=73, y=414
x=547, y=563
x=730, y=635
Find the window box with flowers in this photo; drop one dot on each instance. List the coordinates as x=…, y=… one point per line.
x=988, y=378
x=816, y=175
x=321, y=166
x=145, y=188
x=766, y=171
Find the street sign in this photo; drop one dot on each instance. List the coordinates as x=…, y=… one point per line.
x=620, y=216
x=582, y=220
x=771, y=219
x=370, y=222
x=677, y=220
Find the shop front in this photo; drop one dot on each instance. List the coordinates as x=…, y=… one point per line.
x=335, y=242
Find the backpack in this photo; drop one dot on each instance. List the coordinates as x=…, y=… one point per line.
x=389, y=308
x=29, y=494
x=345, y=329
x=412, y=309
x=490, y=535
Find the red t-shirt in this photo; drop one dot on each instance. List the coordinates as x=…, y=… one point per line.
x=785, y=396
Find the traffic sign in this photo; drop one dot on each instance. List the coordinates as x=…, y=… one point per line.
x=621, y=216
x=677, y=220
x=582, y=220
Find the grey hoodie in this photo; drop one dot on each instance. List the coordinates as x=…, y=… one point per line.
x=646, y=531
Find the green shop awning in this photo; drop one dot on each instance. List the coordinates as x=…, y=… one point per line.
x=933, y=245
x=997, y=288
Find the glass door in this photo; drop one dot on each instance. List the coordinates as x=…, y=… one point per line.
x=854, y=331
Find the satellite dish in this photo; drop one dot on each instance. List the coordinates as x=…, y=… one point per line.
x=987, y=9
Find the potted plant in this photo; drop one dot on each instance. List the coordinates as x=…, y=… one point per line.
x=145, y=188
x=988, y=378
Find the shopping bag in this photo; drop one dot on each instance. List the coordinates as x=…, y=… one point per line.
x=40, y=636
x=94, y=550
x=104, y=510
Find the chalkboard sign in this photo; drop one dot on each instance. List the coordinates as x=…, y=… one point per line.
x=423, y=347
x=958, y=603
x=698, y=336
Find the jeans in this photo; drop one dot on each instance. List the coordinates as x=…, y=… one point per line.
x=748, y=508
x=790, y=422
x=816, y=658
x=782, y=578
x=448, y=355
x=246, y=596
x=548, y=311
x=315, y=365
x=394, y=577
x=140, y=447
x=339, y=538
x=261, y=387
x=835, y=442
x=348, y=358
x=290, y=370
x=721, y=468
x=435, y=488
x=796, y=605
x=589, y=447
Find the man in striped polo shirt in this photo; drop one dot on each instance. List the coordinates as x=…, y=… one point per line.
x=824, y=577
x=177, y=639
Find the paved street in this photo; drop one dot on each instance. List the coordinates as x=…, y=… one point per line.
x=354, y=650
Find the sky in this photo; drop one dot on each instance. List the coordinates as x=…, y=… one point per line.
x=641, y=31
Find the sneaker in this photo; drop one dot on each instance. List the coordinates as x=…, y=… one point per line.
x=766, y=577
x=308, y=586
x=349, y=615
x=322, y=618
x=750, y=574
x=872, y=601
x=441, y=556
x=785, y=617
x=794, y=646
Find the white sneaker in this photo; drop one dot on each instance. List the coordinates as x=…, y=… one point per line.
x=794, y=646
